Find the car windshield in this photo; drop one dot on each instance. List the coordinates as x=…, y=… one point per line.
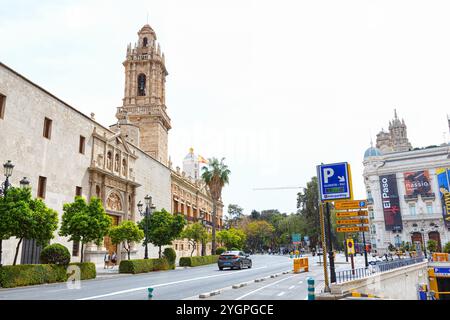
x=231, y=253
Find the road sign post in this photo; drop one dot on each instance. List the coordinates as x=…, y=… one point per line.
x=324, y=247
x=330, y=244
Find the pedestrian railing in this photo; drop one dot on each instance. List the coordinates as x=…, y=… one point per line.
x=378, y=267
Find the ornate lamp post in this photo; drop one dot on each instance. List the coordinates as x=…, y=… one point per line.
x=203, y=221
x=149, y=206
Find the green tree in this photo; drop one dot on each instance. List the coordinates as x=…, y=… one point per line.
x=232, y=238
x=126, y=232
x=85, y=222
x=216, y=176
x=163, y=228
x=28, y=218
x=432, y=245
x=255, y=215
x=308, y=203
x=235, y=214
x=195, y=233
x=258, y=234
x=16, y=199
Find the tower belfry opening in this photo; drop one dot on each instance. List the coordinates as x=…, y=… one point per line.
x=144, y=97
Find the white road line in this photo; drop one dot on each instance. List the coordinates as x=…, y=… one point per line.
x=300, y=282
x=166, y=284
x=251, y=292
x=291, y=287
x=280, y=294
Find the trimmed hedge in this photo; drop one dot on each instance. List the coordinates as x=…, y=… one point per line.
x=220, y=250
x=32, y=274
x=55, y=254
x=143, y=265
x=198, y=261
x=87, y=270
x=171, y=256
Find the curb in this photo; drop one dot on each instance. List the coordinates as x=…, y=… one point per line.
x=240, y=285
x=209, y=294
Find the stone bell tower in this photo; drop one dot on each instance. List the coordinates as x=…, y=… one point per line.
x=144, y=98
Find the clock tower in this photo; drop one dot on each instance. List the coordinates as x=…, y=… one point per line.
x=144, y=102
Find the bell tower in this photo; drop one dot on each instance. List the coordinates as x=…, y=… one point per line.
x=144, y=102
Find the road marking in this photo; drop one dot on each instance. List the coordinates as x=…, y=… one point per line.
x=251, y=292
x=291, y=287
x=165, y=284
x=300, y=282
x=280, y=294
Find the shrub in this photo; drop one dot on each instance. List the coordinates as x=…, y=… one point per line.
x=87, y=270
x=235, y=249
x=220, y=250
x=447, y=248
x=143, y=265
x=31, y=274
x=198, y=261
x=432, y=245
x=171, y=257
x=55, y=254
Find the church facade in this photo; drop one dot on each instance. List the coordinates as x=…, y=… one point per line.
x=65, y=153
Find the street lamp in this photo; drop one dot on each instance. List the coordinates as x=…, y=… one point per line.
x=203, y=221
x=424, y=244
x=7, y=169
x=146, y=214
x=24, y=183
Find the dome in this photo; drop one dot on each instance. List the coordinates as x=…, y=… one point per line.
x=190, y=155
x=372, y=152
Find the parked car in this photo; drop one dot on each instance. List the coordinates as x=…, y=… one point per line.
x=234, y=259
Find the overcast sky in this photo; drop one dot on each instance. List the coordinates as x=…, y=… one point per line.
x=275, y=87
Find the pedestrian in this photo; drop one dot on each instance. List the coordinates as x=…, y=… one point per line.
x=113, y=259
x=107, y=260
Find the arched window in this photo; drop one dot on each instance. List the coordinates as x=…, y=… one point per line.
x=141, y=84
x=109, y=160
x=116, y=162
x=145, y=42
x=124, y=167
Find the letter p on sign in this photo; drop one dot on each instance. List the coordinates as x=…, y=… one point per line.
x=327, y=173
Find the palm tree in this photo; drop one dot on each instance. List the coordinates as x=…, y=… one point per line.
x=215, y=175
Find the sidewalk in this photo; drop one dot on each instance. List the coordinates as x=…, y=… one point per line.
x=106, y=273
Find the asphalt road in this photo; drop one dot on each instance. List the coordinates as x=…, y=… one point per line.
x=172, y=285
x=189, y=283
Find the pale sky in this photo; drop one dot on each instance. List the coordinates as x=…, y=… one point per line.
x=275, y=87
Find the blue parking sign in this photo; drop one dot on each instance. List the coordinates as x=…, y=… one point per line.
x=334, y=181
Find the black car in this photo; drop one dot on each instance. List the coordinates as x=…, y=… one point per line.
x=234, y=259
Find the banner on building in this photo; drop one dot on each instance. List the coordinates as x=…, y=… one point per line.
x=417, y=182
x=391, y=202
x=443, y=184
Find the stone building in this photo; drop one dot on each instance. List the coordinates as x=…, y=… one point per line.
x=190, y=196
x=406, y=191
x=396, y=139
x=65, y=153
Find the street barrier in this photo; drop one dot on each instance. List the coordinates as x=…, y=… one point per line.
x=301, y=263
x=150, y=293
x=440, y=257
x=311, y=290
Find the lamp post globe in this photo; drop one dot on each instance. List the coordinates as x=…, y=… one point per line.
x=24, y=183
x=8, y=168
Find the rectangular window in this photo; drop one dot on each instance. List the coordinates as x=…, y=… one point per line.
x=412, y=209
x=78, y=191
x=47, y=128
x=76, y=248
x=429, y=208
x=81, y=145
x=176, y=246
x=42, y=184
x=2, y=106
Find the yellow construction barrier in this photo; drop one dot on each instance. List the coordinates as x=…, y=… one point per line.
x=301, y=263
x=363, y=295
x=439, y=256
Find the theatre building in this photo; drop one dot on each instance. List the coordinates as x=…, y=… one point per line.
x=406, y=190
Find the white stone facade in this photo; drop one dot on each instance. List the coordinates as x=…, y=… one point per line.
x=60, y=161
x=422, y=215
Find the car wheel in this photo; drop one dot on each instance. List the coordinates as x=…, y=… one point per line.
x=241, y=265
x=249, y=266
x=220, y=268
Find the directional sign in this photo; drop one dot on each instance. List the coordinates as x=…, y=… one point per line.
x=352, y=229
x=296, y=238
x=352, y=221
x=334, y=180
x=442, y=272
x=362, y=213
x=350, y=204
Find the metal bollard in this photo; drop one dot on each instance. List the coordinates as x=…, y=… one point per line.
x=311, y=292
x=150, y=293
